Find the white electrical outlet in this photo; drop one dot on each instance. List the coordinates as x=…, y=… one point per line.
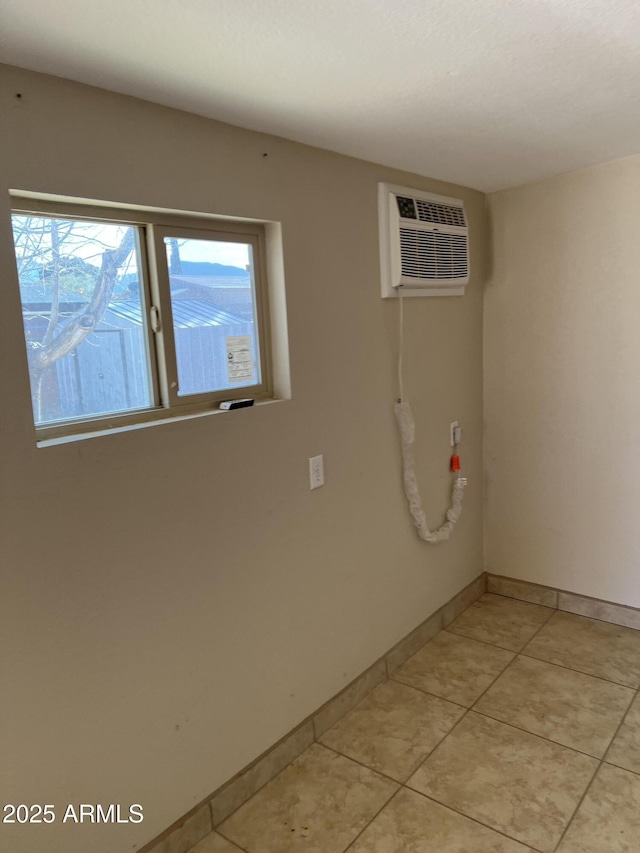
x=316, y=471
x=453, y=432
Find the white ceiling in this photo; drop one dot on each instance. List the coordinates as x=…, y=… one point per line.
x=486, y=93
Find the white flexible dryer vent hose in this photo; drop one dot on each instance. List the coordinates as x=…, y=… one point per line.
x=407, y=435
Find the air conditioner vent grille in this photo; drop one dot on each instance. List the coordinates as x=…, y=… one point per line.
x=433, y=254
x=440, y=214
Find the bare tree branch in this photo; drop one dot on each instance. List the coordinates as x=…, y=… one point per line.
x=55, y=290
x=83, y=324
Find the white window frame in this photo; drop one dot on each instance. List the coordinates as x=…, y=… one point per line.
x=152, y=226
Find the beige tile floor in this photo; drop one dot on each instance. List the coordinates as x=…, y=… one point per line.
x=515, y=729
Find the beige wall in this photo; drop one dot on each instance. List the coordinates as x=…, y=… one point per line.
x=177, y=599
x=562, y=399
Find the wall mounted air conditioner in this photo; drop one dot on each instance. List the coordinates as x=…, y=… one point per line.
x=424, y=243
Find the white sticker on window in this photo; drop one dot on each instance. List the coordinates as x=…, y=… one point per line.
x=239, y=358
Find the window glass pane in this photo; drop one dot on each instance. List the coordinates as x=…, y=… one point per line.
x=214, y=314
x=83, y=319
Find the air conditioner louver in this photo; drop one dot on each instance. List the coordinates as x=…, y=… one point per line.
x=440, y=214
x=424, y=244
x=432, y=255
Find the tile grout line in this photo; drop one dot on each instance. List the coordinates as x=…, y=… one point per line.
x=502, y=671
x=535, y=734
x=580, y=802
x=439, y=744
x=484, y=642
x=515, y=657
x=572, y=669
x=394, y=676
x=239, y=846
x=597, y=770
x=523, y=651
x=451, y=808
x=429, y=693
x=559, y=609
x=361, y=764
x=622, y=722
x=405, y=785
x=579, y=672
x=619, y=767
x=513, y=725
x=504, y=648
x=364, y=828
x=477, y=820
x=421, y=761
x=215, y=826
x=474, y=819
x=596, y=619
x=511, y=662
x=552, y=611
x=320, y=742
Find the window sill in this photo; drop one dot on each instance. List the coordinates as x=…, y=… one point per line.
x=152, y=418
